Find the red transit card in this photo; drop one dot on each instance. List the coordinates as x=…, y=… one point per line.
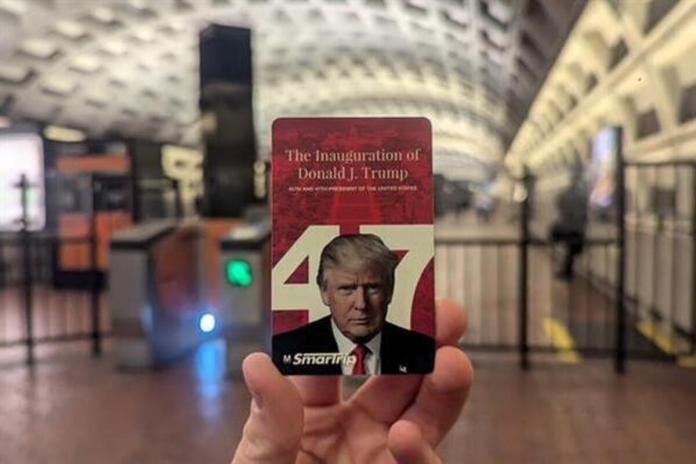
x=352, y=246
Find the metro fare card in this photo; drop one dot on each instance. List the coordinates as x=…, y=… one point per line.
x=352, y=246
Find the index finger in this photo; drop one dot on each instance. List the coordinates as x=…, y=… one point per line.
x=450, y=324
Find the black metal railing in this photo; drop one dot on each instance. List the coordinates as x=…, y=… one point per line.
x=661, y=248
x=538, y=310
x=633, y=294
x=34, y=308
x=634, y=290
x=52, y=280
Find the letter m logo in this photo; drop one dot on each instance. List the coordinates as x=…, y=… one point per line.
x=287, y=358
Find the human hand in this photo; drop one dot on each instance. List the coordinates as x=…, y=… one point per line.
x=389, y=419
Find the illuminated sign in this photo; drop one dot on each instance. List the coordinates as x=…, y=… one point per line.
x=602, y=169
x=21, y=154
x=238, y=273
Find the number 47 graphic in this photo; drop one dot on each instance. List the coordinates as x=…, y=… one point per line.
x=415, y=239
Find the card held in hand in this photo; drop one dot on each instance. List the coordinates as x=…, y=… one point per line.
x=352, y=246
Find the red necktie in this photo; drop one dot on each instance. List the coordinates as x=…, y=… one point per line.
x=359, y=352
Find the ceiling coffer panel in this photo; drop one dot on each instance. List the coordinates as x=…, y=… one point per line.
x=475, y=65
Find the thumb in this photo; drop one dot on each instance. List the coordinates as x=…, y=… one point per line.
x=273, y=430
x=407, y=445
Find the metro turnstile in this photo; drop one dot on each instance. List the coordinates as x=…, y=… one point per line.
x=245, y=292
x=154, y=294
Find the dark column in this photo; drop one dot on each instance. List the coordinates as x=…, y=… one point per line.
x=95, y=287
x=24, y=187
x=523, y=300
x=692, y=232
x=620, y=355
x=227, y=115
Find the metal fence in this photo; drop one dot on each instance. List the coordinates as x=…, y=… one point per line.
x=52, y=281
x=634, y=291
x=516, y=301
x=661, y=252
x=34, y=306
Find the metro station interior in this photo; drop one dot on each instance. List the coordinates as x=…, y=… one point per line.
x=135, y=157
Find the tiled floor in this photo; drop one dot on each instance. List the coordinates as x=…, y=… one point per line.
x=75, y=409
x=56, y=313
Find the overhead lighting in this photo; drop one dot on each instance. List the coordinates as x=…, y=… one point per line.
x=59, y=85
x=144, y=34
x=86, y=63
x=519, y=193
x=419, y=3
x=39, y=48
x=70, y=29
x=63, y=134
x=16, y=8
x=114, y=47
x=104, y=15
x=13, y=73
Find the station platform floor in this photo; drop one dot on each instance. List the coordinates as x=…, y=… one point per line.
x=72, y=408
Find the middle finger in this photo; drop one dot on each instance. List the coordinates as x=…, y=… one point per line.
x=318, y=390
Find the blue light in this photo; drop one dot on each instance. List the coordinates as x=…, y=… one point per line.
x=207, y=323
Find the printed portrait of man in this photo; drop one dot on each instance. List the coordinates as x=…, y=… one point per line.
x=356, y=282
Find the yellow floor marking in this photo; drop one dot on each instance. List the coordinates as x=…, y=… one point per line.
x=658, y=337
x=687, y=361
x=665, y=343
x=562, y=341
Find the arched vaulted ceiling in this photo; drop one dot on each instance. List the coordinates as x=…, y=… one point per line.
x=130, y=67
x=626, y=63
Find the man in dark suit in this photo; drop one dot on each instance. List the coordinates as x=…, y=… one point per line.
x=356, y=281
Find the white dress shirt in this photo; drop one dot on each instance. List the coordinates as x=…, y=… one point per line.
x=346, y=346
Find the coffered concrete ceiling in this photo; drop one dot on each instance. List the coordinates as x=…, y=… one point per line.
x=130, y=67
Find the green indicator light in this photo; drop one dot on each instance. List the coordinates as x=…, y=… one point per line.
x=238, y=273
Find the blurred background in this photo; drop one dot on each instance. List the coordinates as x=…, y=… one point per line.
x=134, y=213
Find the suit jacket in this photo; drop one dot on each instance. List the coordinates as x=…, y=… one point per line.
x=402, y=351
